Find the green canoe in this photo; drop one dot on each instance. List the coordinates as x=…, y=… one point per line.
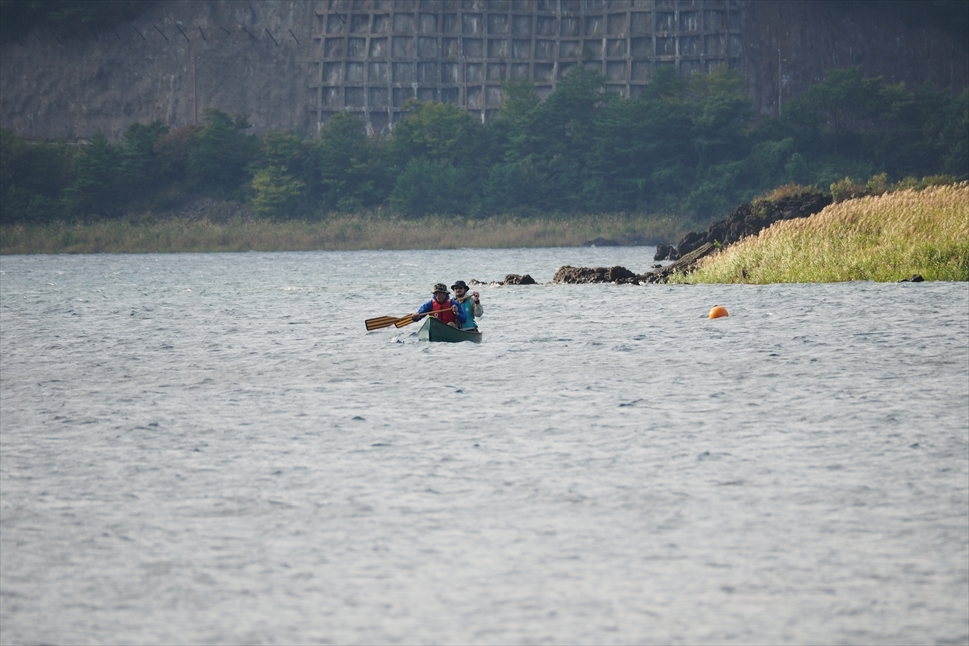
x=434, y=330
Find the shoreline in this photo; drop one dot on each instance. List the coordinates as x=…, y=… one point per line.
x=891, y=237
x=895, y=236
x=182, y=234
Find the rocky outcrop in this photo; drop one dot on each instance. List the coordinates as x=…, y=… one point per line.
x=622, y=276
x=665, y=251
x=621, y=241
x=578, y=275
x=510, y=279
x=683, y=265
x=748, y=219
x=516, y=279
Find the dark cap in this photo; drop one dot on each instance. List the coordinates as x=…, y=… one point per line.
x=440, y=287
x=459, y=283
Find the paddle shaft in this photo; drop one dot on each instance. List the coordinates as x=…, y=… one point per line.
x=380, y=322
x=407, y=320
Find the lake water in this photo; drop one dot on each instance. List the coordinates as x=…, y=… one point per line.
x=211, y=449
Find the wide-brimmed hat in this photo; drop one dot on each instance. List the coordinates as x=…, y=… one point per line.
x=440, y=287
x=459, y=283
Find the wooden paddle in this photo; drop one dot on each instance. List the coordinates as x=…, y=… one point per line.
x=381, y=322
x=407, y=320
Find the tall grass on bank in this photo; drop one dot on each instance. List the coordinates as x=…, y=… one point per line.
x=883, y=238
x=340, y=232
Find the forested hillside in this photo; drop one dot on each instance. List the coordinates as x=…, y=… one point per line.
x=688, y=146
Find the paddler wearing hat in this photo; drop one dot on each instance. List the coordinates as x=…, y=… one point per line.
x=470, y=304
x=446, y=310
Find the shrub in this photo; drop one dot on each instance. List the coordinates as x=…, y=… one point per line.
x=276, y=192
x=779, y=193
x=847, y=189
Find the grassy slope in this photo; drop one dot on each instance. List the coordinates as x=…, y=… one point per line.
x=884, y=238
x=335, y=233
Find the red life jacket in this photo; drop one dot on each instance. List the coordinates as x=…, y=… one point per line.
x=446, y=315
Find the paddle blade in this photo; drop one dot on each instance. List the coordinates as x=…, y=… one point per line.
x=380, y=322
x=406, y=320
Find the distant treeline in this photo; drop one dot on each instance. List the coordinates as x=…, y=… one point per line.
x=687, y=146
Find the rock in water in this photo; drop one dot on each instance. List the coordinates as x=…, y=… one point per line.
x=684, y=264
x=516, y=279
x=578, y=275
x=665, y=252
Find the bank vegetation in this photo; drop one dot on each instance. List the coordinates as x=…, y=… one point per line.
x=336, y=232
x=691, y=147
x=886, y=237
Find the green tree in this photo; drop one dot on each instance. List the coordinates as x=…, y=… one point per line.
x=521, y=101
x=172, y=152
x=562, y=131
x=276, y=192
x=564, y=122
x=441, y=132
x=445, y=141
x=351, y=166
x=769, y=164
x=516, y=187
x=720, y=112
x=955, y=136
x=643, y=150
x=511, y=131
x=513, y=183
x=33, y=179
x=96, y=188
x=429, y=187
x=220, y=155
x=282, y=149
x=842, y=99
x=300, y=159
x=139, y=168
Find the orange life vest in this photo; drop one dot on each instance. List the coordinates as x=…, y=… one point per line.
x=446, y=315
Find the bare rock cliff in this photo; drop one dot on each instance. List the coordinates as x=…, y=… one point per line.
x=168, y=64
x=270, y=58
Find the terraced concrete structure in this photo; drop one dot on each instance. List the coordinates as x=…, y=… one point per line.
x=291, y=64
x=374, y=55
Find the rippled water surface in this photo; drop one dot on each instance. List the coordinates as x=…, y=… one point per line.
x=212, y=449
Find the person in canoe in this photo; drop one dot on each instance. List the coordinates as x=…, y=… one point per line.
x=446, y=309
x=470, y=304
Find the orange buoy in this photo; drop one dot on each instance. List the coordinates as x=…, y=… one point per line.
x=718, y=311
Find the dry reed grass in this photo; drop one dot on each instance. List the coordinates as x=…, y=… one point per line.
x=339, y=232
x=880, y=238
